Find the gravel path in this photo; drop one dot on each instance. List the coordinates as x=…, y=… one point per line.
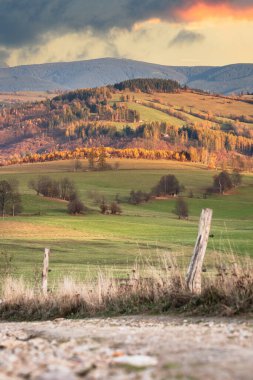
x=127, y=348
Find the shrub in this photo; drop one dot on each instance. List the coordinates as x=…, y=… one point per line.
x=236, y=178
x=103, y=207
x=76, y=207
x=137, y=197
x=181, y=209
x=67, y=189
x=191, y=195
x=48, y=187
x=115, y=208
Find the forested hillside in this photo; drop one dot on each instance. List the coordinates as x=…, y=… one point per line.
x=148, y=114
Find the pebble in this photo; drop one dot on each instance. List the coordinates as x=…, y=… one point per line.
x=138, y=361
x=57, y=373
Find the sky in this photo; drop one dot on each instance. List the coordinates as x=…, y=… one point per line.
x=168, y=32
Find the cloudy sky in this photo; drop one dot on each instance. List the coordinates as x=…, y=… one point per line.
x=169, y=32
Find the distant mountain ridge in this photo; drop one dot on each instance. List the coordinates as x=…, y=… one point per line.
x=100, y=72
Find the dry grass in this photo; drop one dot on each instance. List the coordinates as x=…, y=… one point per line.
x=148, y=289
x=25, y=96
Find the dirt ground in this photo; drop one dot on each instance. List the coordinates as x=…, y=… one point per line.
x=140, y=347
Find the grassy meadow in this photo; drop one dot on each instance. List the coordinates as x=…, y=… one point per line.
x=188, y=103
x=81, y=244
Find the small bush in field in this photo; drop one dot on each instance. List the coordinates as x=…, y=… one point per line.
x=76, y=207
x=181, y=209
x=115, y=208
x=137, y=197
x=103, y=207
x=48, y=187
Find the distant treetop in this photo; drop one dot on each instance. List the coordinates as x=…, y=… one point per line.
x=149, y=85
x=84, y=94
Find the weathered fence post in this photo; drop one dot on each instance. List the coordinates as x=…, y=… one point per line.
x=45, y=271
x=193, y=278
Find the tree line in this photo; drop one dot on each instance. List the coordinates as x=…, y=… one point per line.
x=211, y=160
x=187, y=136
x=148, y=85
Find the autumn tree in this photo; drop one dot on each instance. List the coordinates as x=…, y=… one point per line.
x=168, y=185
x=101, y=163
x=10, y=200
x=77, y=165
x=222, y=182
x=67, y=189
x=236, y=178
x=91, y=159
x=102, y=159
x=48, y=187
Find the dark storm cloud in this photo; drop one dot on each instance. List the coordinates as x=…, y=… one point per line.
x=25, y=22
x=186, y=37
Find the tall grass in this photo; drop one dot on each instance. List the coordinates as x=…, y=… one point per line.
x=227, y=290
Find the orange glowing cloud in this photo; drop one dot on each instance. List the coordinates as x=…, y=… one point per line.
x=143, y=24
x=202, y=11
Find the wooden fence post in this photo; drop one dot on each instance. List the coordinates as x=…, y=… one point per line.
x=193, y=278
x=45, y=271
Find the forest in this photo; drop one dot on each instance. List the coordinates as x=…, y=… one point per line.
x=138, y=114
x=148, y=85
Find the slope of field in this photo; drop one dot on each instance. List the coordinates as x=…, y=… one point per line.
x=148, y=114
x=187, y=103
x=208, y=103
x=82, y=244
x=24, y=97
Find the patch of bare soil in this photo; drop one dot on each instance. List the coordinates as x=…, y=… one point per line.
x=140, y=348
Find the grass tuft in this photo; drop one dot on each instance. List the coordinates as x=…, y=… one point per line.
x=228, y=291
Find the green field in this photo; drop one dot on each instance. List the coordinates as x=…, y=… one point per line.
x=148, y=114
x=81, y=244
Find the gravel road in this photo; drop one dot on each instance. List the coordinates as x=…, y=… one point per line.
x=142, y=348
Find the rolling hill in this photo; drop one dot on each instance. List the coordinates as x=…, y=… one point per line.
x=99, y=72
x=152, y=114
